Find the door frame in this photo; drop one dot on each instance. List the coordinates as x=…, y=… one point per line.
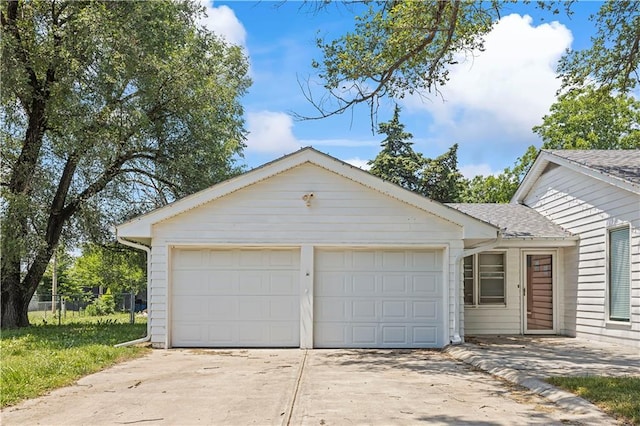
x=525, y=289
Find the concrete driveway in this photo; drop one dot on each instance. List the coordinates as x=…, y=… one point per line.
x=291, y=386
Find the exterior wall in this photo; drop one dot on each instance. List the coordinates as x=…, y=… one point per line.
x=499, y=319
x=272, y=213
x=588, y=207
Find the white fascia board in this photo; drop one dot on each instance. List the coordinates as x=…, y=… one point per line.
x=530, y=178
x=538, y=242
x=141, y=226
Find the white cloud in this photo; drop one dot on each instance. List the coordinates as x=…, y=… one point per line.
x=223, y=21
x=271, y=131
x=359, y=163
x=499, y=94
x=472, y=170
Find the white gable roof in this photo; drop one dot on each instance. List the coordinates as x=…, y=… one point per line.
x=620, y=168
x=141, y=226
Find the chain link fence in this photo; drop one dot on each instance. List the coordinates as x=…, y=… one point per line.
x=60, y=308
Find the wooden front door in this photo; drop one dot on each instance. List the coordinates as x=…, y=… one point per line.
x=539, y=293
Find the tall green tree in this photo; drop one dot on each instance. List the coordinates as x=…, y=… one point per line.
x=397, y=162
x=440, y=179
x=108, y=109
x=118, y=268
x=590, y=118
x=66, y=285
x=498, y=188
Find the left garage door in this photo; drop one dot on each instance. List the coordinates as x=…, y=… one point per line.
x=235, y=298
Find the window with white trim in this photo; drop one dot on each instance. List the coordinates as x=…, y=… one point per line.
x=619, y=275
x=484, y=279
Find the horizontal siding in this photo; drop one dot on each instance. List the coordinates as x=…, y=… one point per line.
x=158, y=297
x=273, y=212
x=503, y=319
x=587, y=207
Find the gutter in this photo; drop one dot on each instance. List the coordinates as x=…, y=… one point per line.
x=147, y=337
x=456, y=339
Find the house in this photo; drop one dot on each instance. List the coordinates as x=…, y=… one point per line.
x=595, y=195
x=308, y=251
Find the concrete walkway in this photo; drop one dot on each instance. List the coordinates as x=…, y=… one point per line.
x=528, y=360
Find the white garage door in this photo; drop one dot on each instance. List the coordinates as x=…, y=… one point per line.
x=235, y=298
x=378, y=299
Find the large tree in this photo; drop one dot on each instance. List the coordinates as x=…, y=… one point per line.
x=590, y=118
x=440, y=178
x=398, y=48
x=501, y=187
x=107, y=109
x=613, y=58
x=397, y=162
x=118, y=268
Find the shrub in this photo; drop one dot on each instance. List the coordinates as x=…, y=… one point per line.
x=103, y=305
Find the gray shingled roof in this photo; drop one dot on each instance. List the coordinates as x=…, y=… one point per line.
x=619, y=163
x=515, y=220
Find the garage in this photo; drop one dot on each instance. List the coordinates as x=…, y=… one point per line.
x=378, y=298
x=305, y=251
x=235, y=298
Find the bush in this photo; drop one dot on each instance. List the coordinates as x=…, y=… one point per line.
x=103, y=305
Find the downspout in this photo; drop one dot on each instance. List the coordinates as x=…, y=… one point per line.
x=456, y=339
x=147, y=337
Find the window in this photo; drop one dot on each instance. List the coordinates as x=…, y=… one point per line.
x=619, y=275
x=484, y=281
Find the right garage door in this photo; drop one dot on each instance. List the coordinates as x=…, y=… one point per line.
x=378, y=298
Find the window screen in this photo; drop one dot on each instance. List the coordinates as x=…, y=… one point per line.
x=619, y=275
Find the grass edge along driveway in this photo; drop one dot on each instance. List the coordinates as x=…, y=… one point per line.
x=617, y=396
x=40, y=358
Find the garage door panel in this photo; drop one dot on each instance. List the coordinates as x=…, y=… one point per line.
x=394, y=310
x=283, y=308
x=235, y=298
x=363, y=310
x=189, y=258
x=331, y=309
x=425, y=260
x=393, y=335
x=333, y=283
x=394, y=260
x=394, y=284
x=364, y=335
x=427, y=336
x=427, y=285
x=189, y=309
x=393, y=302
x=362, y=284
x=221, y=308
x=362, y=260
x=282, y=284
x=426, y=310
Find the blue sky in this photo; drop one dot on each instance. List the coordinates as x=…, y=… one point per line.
x=488, y=107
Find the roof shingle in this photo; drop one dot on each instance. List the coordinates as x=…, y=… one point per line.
x=514, y=220
x=619, y=163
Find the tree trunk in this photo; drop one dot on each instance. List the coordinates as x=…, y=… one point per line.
x=15, y=303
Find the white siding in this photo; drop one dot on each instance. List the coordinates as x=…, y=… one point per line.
x=271, y=213
x=499, y=319
x=587, y=207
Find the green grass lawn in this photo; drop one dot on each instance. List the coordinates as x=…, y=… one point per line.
x=617, y=396
x=43, y=357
